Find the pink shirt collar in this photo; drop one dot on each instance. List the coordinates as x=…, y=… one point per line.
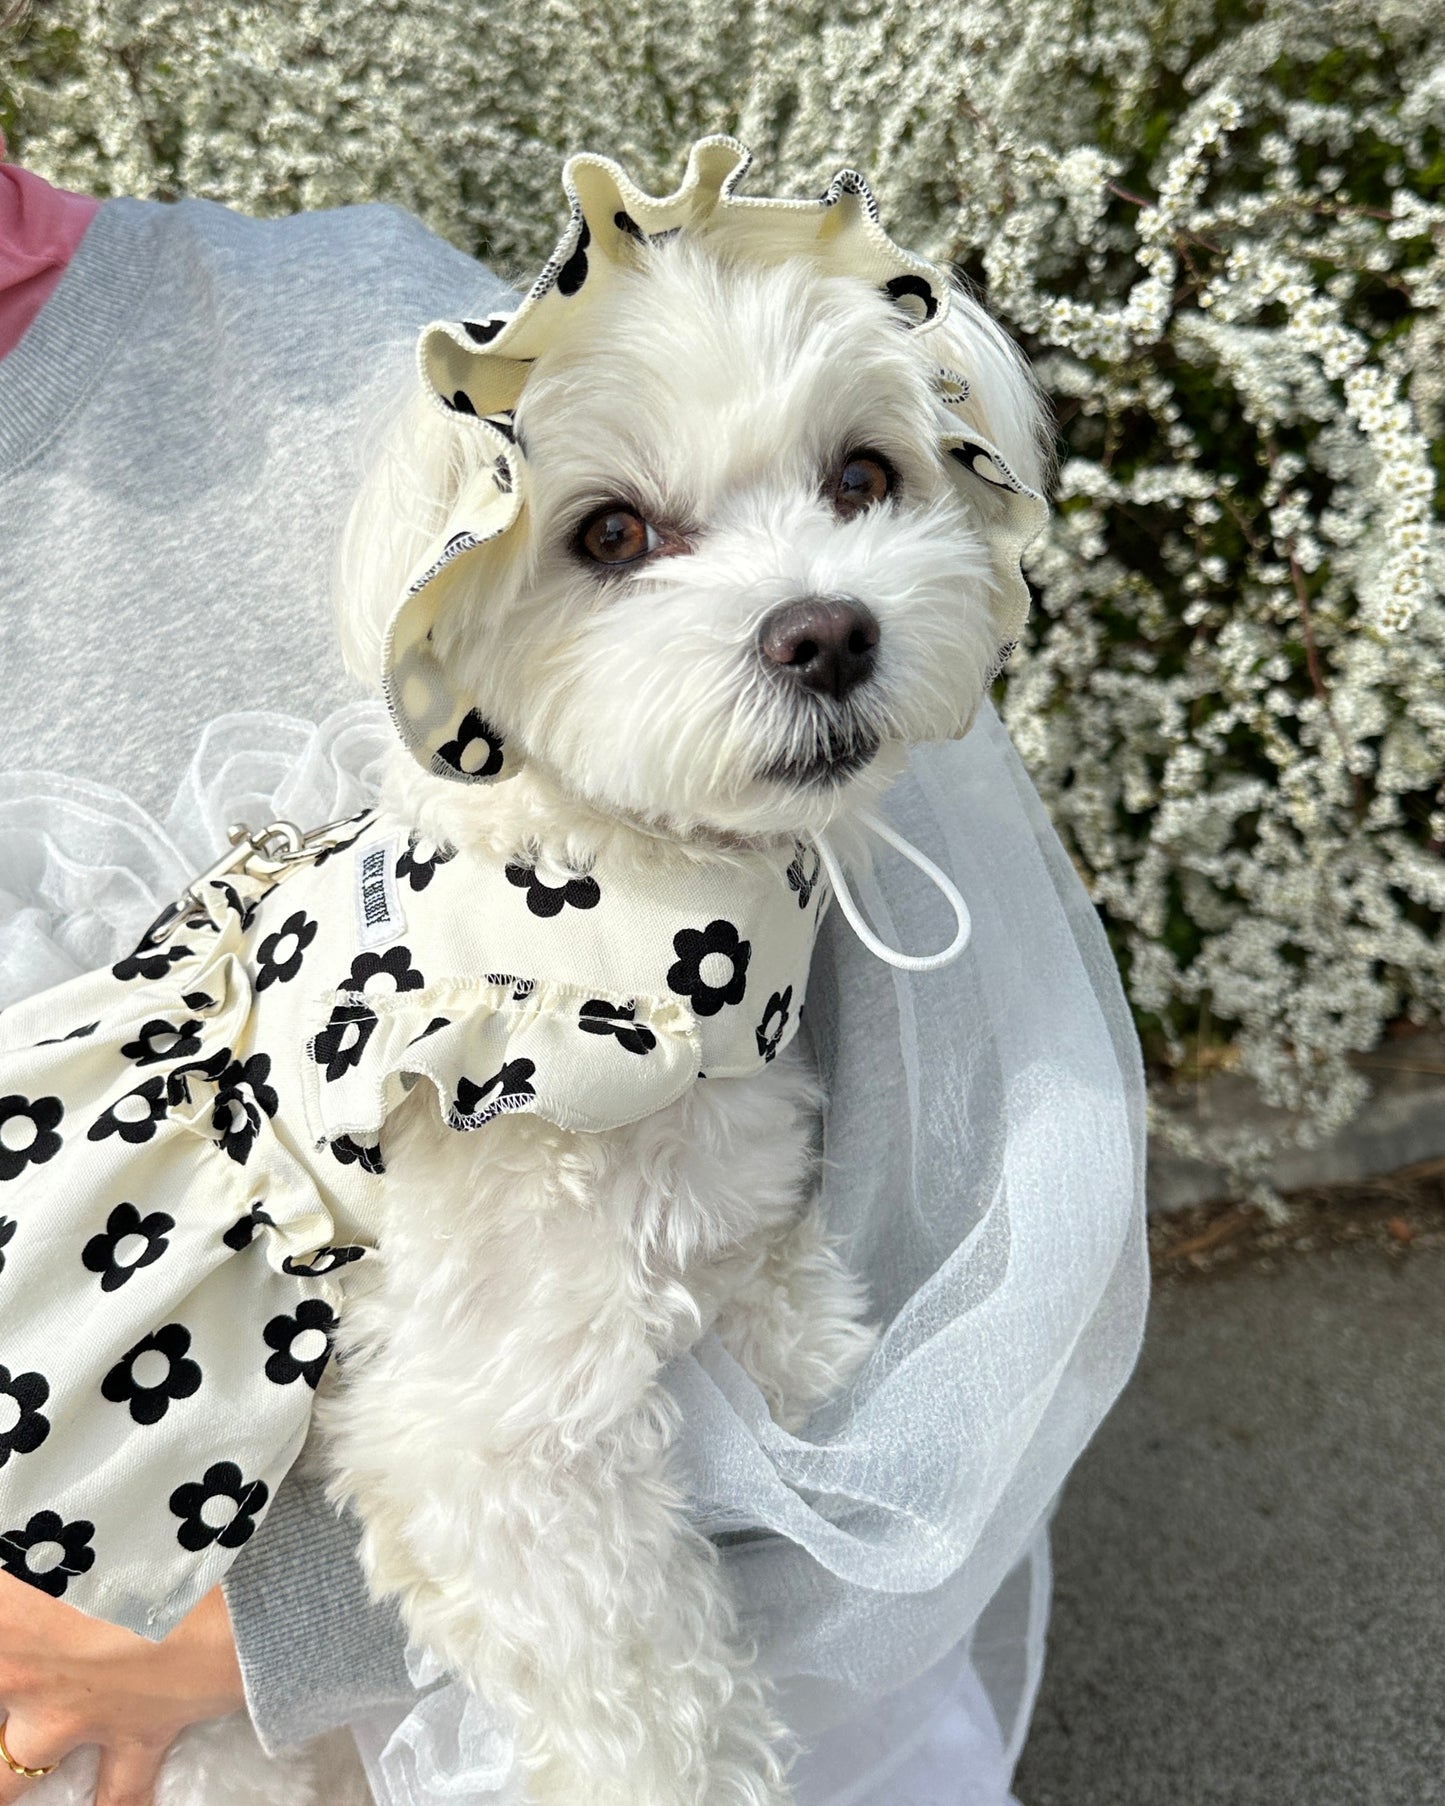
x=40, y=227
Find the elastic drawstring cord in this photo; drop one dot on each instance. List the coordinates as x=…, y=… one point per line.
x=907, y=962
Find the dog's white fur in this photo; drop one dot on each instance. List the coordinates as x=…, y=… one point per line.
x=498, y=1421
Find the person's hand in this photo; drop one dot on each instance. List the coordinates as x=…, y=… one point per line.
x=66, y=1679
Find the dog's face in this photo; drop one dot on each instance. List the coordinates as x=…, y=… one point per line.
x=743, y=582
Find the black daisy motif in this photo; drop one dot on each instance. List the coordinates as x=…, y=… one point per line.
x=508, y=1089
x=221, y=1507
x=129, y=1242
x=278, y=958
x=243, y=1231
x=149, y=963
x=153, y=1374
x=619, y=1021
x=988, y=466
x=243, y=910
x=476, y=751
x=243, y=1098
x=177, y=1080
x=48, y=1553
x=383, y=974
x=162, y=1040
x=323, y=1261
x=914, y=296
x=522, y=988
x=135, y=1116
x=23, y=1425
x=366, y=1155
x=419, y=862
x=432, y=1027
x=775, y=1019
x=28, y=1132
x=302, y=1343
x=363, y=820
x=803, y=872
x=573, y=273
x=7, y=1230
x=711, y=967
x=543, y=899
x=340, y=1045
x=76, y=1034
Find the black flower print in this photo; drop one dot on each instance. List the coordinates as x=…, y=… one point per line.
x=28, y=1132
x=133, y=1117
x=366, y=1155
x=242, y=1096
x=243, y=1231
x=432, y=1027
x=419, y=862
x=618, y=1020
x=363, y=819
x=573, y=273
x=383, y=974
x=508, y=1089
x=914, y=296
x=153, y=1374
x=484, y=331
x=244, y=911
x=76, y=1034
x=278, y=958
x=7, y=1230
x=342, y=1042
x=162, y=1040
x=775, y=1019
x=323, y=1261
x=221, y=1507
x=302, y=1343
x=522, y=988
x=546, y=899
x=48, y=1553
x=129, y=1242
x=476, y=751
x=712, y=966
x=178, y=1078
x=23, y=1425
x=803, y=872
x=148, y=963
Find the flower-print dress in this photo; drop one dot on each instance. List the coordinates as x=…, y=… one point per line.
x=192, y=1150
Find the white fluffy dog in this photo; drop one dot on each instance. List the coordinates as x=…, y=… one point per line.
x=744, y=584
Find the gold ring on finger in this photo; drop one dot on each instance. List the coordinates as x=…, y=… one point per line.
x=19, y=1768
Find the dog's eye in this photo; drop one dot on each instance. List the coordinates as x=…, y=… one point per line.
x=617, y=536
x=864, y=479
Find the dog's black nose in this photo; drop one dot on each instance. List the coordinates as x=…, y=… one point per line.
x=827, y=643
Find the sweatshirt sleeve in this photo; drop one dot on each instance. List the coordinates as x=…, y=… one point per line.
x=315, y=1649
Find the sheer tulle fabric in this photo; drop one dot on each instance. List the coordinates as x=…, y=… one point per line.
x=984, y=1160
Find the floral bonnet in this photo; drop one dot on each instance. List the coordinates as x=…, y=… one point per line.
x=477, y=369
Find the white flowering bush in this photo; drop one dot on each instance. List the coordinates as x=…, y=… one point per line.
x=1219, y=229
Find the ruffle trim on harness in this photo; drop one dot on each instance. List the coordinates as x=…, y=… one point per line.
x=582, y=1059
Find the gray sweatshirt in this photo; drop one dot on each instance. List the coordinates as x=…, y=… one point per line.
x=181, y=431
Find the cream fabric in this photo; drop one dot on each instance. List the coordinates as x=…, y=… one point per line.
x=477, y=369
x=191, y=1142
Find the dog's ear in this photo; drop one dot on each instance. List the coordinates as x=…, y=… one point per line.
x=995, y=437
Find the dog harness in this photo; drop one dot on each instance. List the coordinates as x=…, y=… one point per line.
x=192, y=1140
x=191, y=1147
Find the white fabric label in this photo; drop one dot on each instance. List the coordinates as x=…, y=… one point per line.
x=379, y=916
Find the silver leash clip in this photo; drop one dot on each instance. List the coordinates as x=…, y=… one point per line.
x=259, y=852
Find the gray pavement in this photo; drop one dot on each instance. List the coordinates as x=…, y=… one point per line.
x=1250, y=1559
